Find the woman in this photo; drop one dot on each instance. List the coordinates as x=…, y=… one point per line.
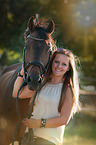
x=57, y=99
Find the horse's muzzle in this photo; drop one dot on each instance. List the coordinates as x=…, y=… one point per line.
x=34, y=82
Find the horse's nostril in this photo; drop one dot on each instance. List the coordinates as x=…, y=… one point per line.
x=29, y=80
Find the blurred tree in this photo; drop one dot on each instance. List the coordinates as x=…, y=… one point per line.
x=69, y=16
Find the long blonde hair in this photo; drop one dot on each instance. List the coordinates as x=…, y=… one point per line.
x=70, y=79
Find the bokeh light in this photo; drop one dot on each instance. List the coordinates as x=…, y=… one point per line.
x=84, y=13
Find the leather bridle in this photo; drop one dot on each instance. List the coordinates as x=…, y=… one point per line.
x=42, y=68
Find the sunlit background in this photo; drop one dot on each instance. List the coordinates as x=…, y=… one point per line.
x=75, y=28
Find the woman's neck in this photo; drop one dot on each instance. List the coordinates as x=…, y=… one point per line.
x=56, y=80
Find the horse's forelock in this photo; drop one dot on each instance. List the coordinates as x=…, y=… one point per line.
x=41, y=32
x=41, y=23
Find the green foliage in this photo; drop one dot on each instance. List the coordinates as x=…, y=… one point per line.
x=81, y=130
x=14, y=15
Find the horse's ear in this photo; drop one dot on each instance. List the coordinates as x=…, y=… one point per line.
x=31, y=24
x=50, y=27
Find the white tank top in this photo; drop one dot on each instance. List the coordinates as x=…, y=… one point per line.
x=46, y=106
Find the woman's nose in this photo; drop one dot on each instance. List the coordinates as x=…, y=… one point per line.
x=59, y=65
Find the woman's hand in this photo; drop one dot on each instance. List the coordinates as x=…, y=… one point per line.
x=18, y=83
x=32, y=123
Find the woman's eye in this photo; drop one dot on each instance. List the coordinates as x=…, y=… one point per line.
x=56, y=61
x=64, y=64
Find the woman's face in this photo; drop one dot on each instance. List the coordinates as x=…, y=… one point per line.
x=60, y=65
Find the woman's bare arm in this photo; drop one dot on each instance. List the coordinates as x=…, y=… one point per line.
x=25, y=92
x=65, y=114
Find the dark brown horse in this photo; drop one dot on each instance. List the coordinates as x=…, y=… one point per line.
x=35, y=62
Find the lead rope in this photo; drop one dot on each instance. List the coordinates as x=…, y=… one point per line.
x=17, y=108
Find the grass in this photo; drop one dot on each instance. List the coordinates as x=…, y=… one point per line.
x=81, y=130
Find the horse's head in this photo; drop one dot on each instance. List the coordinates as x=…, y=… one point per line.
x=37, y=51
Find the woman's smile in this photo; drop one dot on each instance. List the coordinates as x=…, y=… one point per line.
x=60, y=65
